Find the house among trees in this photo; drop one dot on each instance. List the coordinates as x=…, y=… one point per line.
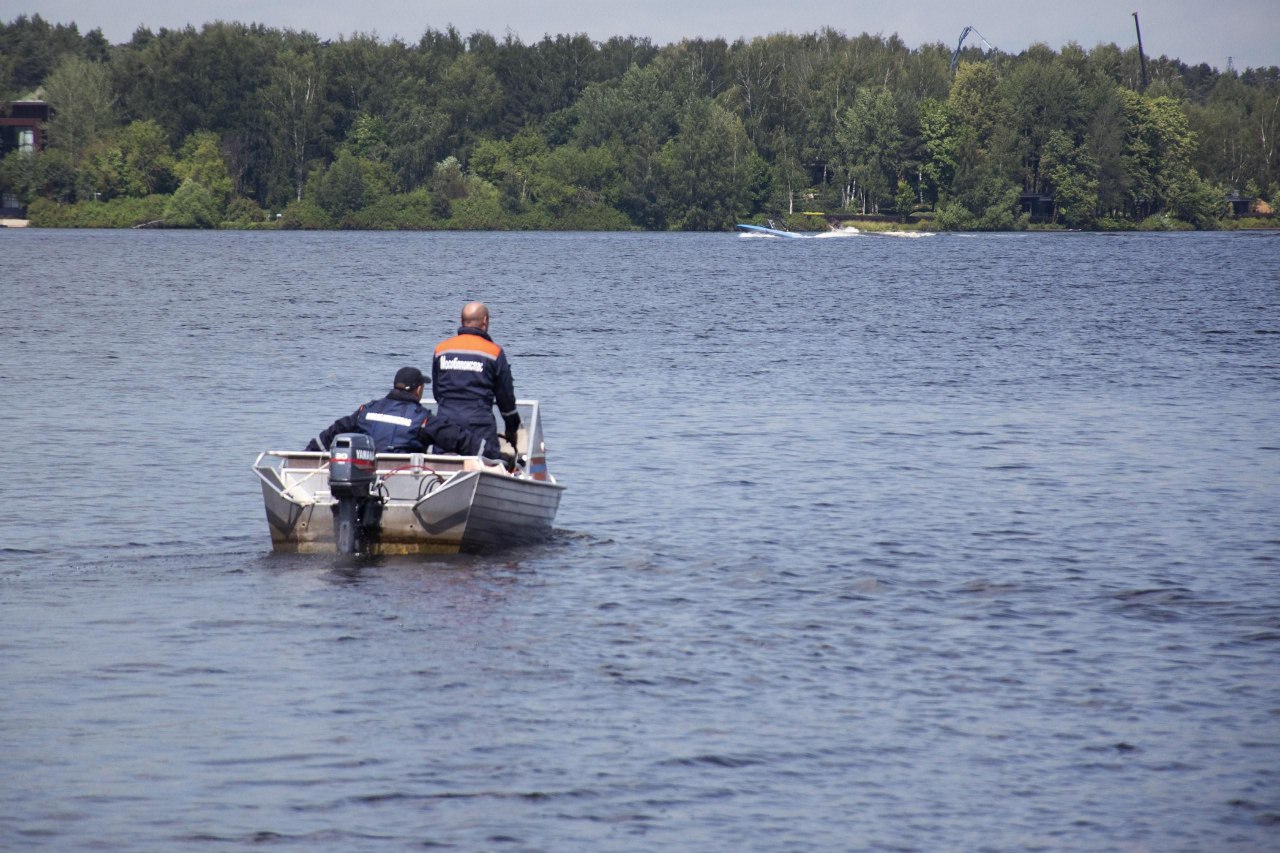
x=1239, y=205
x=22, y=126
x=1039, y=206
x=21, y=129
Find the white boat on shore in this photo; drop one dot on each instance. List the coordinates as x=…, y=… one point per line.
x=423, y=503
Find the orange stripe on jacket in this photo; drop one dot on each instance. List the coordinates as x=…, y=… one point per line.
x=472, y=343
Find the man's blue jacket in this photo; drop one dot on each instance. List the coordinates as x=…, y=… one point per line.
x=398, y=423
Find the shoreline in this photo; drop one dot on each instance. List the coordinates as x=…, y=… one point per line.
x=907, y=229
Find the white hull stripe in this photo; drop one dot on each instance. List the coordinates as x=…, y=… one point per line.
x=389, y=419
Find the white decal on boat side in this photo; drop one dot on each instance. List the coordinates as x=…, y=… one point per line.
x=389, y=419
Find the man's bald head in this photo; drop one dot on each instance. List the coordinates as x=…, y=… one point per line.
x=475, y=315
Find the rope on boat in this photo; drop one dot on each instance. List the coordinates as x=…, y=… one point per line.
x=425, y=487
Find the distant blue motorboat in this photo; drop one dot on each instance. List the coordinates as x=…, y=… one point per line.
x=772, y=232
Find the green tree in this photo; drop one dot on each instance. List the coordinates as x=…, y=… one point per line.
x=988, y=203
x=18, y=175
x=305, y=215
x=984, y=190
x=789, y=178
x=56, y=176
x=244, y=212
x=1070, y=173
x=349, y=184
x=1159, y=147
x=102, y=174
x=1045, y=96
x=148, y=160
x=295, y=110
x=939, y=165
x=1220, y=125
x=708, y=168
x=510, y=166
x=362, y=77
x=134, y=161
x=192, y=206
x=81, y=94
x=449, y=180
x=211, y=79
x=1236, y=128
x=31, y=48
x=872, y=147
x=904, y=199
x=1194, y=200
x=569, y=179
x=470, y=96
x=480, y=209
x=635, y=117
x=417, y=141
x=1105, y=141
x=635, y=110
x=758, y=70
x=200, y=161
x=367, y=138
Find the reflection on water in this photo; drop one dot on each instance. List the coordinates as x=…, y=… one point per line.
x=965, y=542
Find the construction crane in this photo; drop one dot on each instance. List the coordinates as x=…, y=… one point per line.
x=955, y=57
x=1142, y=57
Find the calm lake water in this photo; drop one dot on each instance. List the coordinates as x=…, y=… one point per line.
x=951, y=543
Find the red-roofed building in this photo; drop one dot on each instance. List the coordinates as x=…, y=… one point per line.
x=22, y=126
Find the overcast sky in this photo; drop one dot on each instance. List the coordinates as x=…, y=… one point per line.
x=1195, y=31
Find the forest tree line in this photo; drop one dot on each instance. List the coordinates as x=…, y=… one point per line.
x=245, y=125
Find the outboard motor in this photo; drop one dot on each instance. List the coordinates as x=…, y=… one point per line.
x=352, y=470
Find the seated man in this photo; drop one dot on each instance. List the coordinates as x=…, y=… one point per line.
x=399, y=423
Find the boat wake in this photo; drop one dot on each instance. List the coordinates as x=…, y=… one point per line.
x=759, y=232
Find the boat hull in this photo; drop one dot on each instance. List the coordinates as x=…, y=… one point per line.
x=431, y=503
x=427, y=508
x=771, y=232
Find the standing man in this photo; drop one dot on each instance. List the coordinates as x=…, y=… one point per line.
x=469, y=373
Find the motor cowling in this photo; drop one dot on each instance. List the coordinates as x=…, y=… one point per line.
x=353, y=465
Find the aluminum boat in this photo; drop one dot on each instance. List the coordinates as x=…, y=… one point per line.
x=423, y=503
